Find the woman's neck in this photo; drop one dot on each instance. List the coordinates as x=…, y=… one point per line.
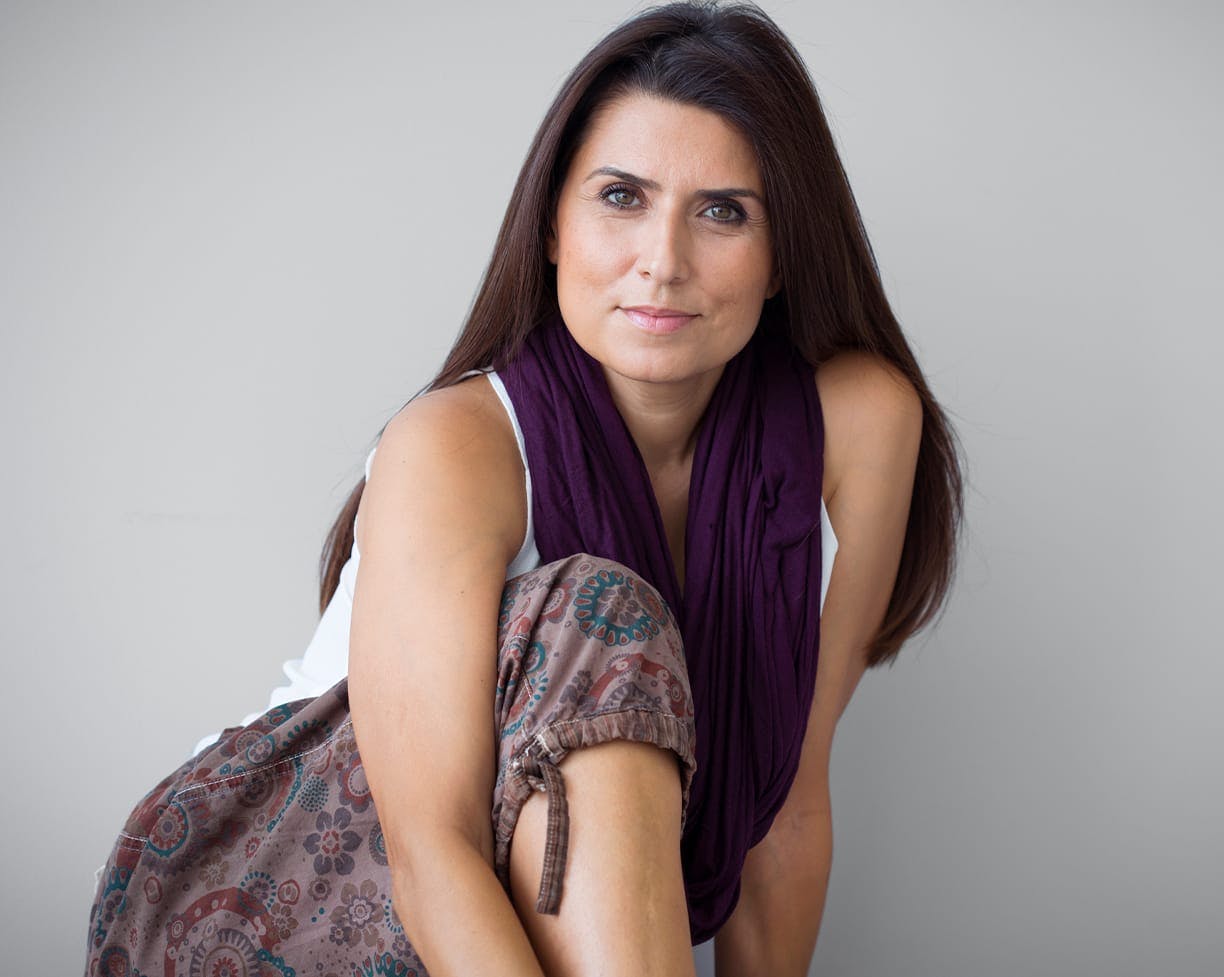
x=662, y=418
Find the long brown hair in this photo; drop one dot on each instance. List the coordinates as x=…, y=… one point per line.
x=731, y=59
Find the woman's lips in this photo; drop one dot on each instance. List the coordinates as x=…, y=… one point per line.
x=658, y=324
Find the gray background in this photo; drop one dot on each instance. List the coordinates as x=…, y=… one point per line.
x=235, y=238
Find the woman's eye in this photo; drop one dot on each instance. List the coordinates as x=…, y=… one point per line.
x=725, y=213
x=621, y=197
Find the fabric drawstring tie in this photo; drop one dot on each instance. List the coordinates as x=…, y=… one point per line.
x=537, y=767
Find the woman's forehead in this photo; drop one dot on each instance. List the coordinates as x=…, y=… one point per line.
x=666, y=142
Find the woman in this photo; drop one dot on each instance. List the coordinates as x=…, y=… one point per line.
x=699, y=396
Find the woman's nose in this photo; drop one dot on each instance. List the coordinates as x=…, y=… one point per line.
x=663, y=252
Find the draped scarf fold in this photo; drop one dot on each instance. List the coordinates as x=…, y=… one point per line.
x=750, y=609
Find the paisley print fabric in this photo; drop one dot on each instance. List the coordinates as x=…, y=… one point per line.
x=264, y=855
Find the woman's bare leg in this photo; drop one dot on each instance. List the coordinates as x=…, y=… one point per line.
x=623, y=910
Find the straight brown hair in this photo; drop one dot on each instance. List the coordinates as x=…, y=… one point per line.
x=734, y=60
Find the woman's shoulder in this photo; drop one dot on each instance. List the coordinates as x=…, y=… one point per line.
x=471, y=403
x=456, y=439
x=872, y=415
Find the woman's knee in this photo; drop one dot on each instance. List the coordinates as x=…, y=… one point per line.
x=589, y=607
x=590, y=655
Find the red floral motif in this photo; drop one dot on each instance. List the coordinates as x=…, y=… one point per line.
x=169, y=830
x=332, y=843
x=320, y=760
x=557, y=601
x=354, y=788
x=289, y=892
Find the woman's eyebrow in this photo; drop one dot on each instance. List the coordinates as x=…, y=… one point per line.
x=652, y=185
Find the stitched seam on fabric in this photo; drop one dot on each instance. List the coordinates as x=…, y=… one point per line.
x=609, y=712
x=594, y=715
x=233, y=781
x=530, y=685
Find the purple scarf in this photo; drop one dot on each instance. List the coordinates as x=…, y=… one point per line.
x=750, y=614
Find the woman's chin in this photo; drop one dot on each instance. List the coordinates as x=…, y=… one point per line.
x=655, y=367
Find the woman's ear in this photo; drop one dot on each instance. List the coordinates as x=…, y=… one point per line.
x=775, y=283
x=550, y=243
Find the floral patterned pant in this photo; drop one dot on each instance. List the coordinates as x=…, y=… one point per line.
x=263, y=855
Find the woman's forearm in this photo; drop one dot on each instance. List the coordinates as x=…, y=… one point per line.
x=458, y=917
x=773, y=930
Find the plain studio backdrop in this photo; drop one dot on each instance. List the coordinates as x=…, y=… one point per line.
x=236, y=238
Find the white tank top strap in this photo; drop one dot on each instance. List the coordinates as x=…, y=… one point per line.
x=528, y=557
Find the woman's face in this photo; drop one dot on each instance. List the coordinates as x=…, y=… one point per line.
x=662, y=210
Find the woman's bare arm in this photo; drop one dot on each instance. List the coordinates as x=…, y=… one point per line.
x=873, y=424
x=442, y=515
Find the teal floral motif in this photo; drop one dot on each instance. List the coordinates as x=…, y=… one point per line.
x=169, y=830
x=609, y=611
x=110, y=905
x=534, y=659
x=261, y=886
x=377, y=843
x=276, y=963
x=307, y=734
x=385, y=965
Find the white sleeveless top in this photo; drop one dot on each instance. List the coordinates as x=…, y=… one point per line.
x=325, y=661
